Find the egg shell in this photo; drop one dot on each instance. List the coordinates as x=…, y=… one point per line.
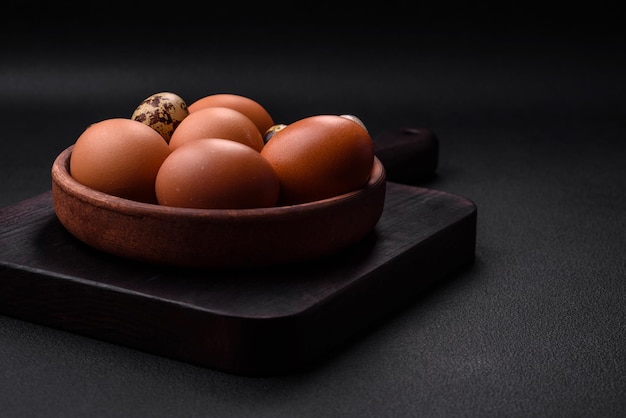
x=320, y=157
x=215, y=173
x=355, y=119
x=120, y=157
x=272, y=130
x=217, y=122
x=249, y=107
x=163, y=112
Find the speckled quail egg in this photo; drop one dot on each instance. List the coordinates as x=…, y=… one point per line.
x=163, y=112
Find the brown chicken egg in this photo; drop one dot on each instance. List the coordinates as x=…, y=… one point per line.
x=163, y=112
x=355, y=119
x=320, y=157
x=217, y=122
x=120, y=157
x=215, y=173
x=249, y=107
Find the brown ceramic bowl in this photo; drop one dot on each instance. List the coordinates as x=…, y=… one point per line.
x=215, y=237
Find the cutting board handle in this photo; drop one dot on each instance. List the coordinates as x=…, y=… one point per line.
x=410, y=155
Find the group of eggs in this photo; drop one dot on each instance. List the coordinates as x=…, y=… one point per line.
x=223, y=151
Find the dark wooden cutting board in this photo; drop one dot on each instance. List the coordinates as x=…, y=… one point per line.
x=251, y=322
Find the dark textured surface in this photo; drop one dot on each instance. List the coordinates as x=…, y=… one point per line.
x=249, y=321
x=530, y=116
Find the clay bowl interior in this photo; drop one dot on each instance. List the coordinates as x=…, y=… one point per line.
x=215, y=237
